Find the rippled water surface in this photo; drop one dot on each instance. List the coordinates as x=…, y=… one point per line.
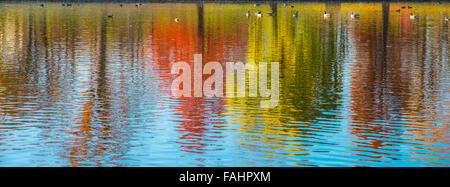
x=81, y=88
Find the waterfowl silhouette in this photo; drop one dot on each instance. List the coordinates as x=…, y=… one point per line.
x=403, y=7
x=398, y=10
x=295, y=14
x=176, y=19
x=62, y=4
x=42, y=5
x=409, y=7
x=447, y=19
x=110, y=16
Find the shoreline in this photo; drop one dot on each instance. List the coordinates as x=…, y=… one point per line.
x=225, y=1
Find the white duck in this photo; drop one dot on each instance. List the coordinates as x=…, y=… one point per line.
x=326, y=15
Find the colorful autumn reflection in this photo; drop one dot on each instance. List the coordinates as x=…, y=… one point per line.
x=89, y=85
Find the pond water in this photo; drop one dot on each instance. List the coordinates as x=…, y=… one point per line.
x=90, y=85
